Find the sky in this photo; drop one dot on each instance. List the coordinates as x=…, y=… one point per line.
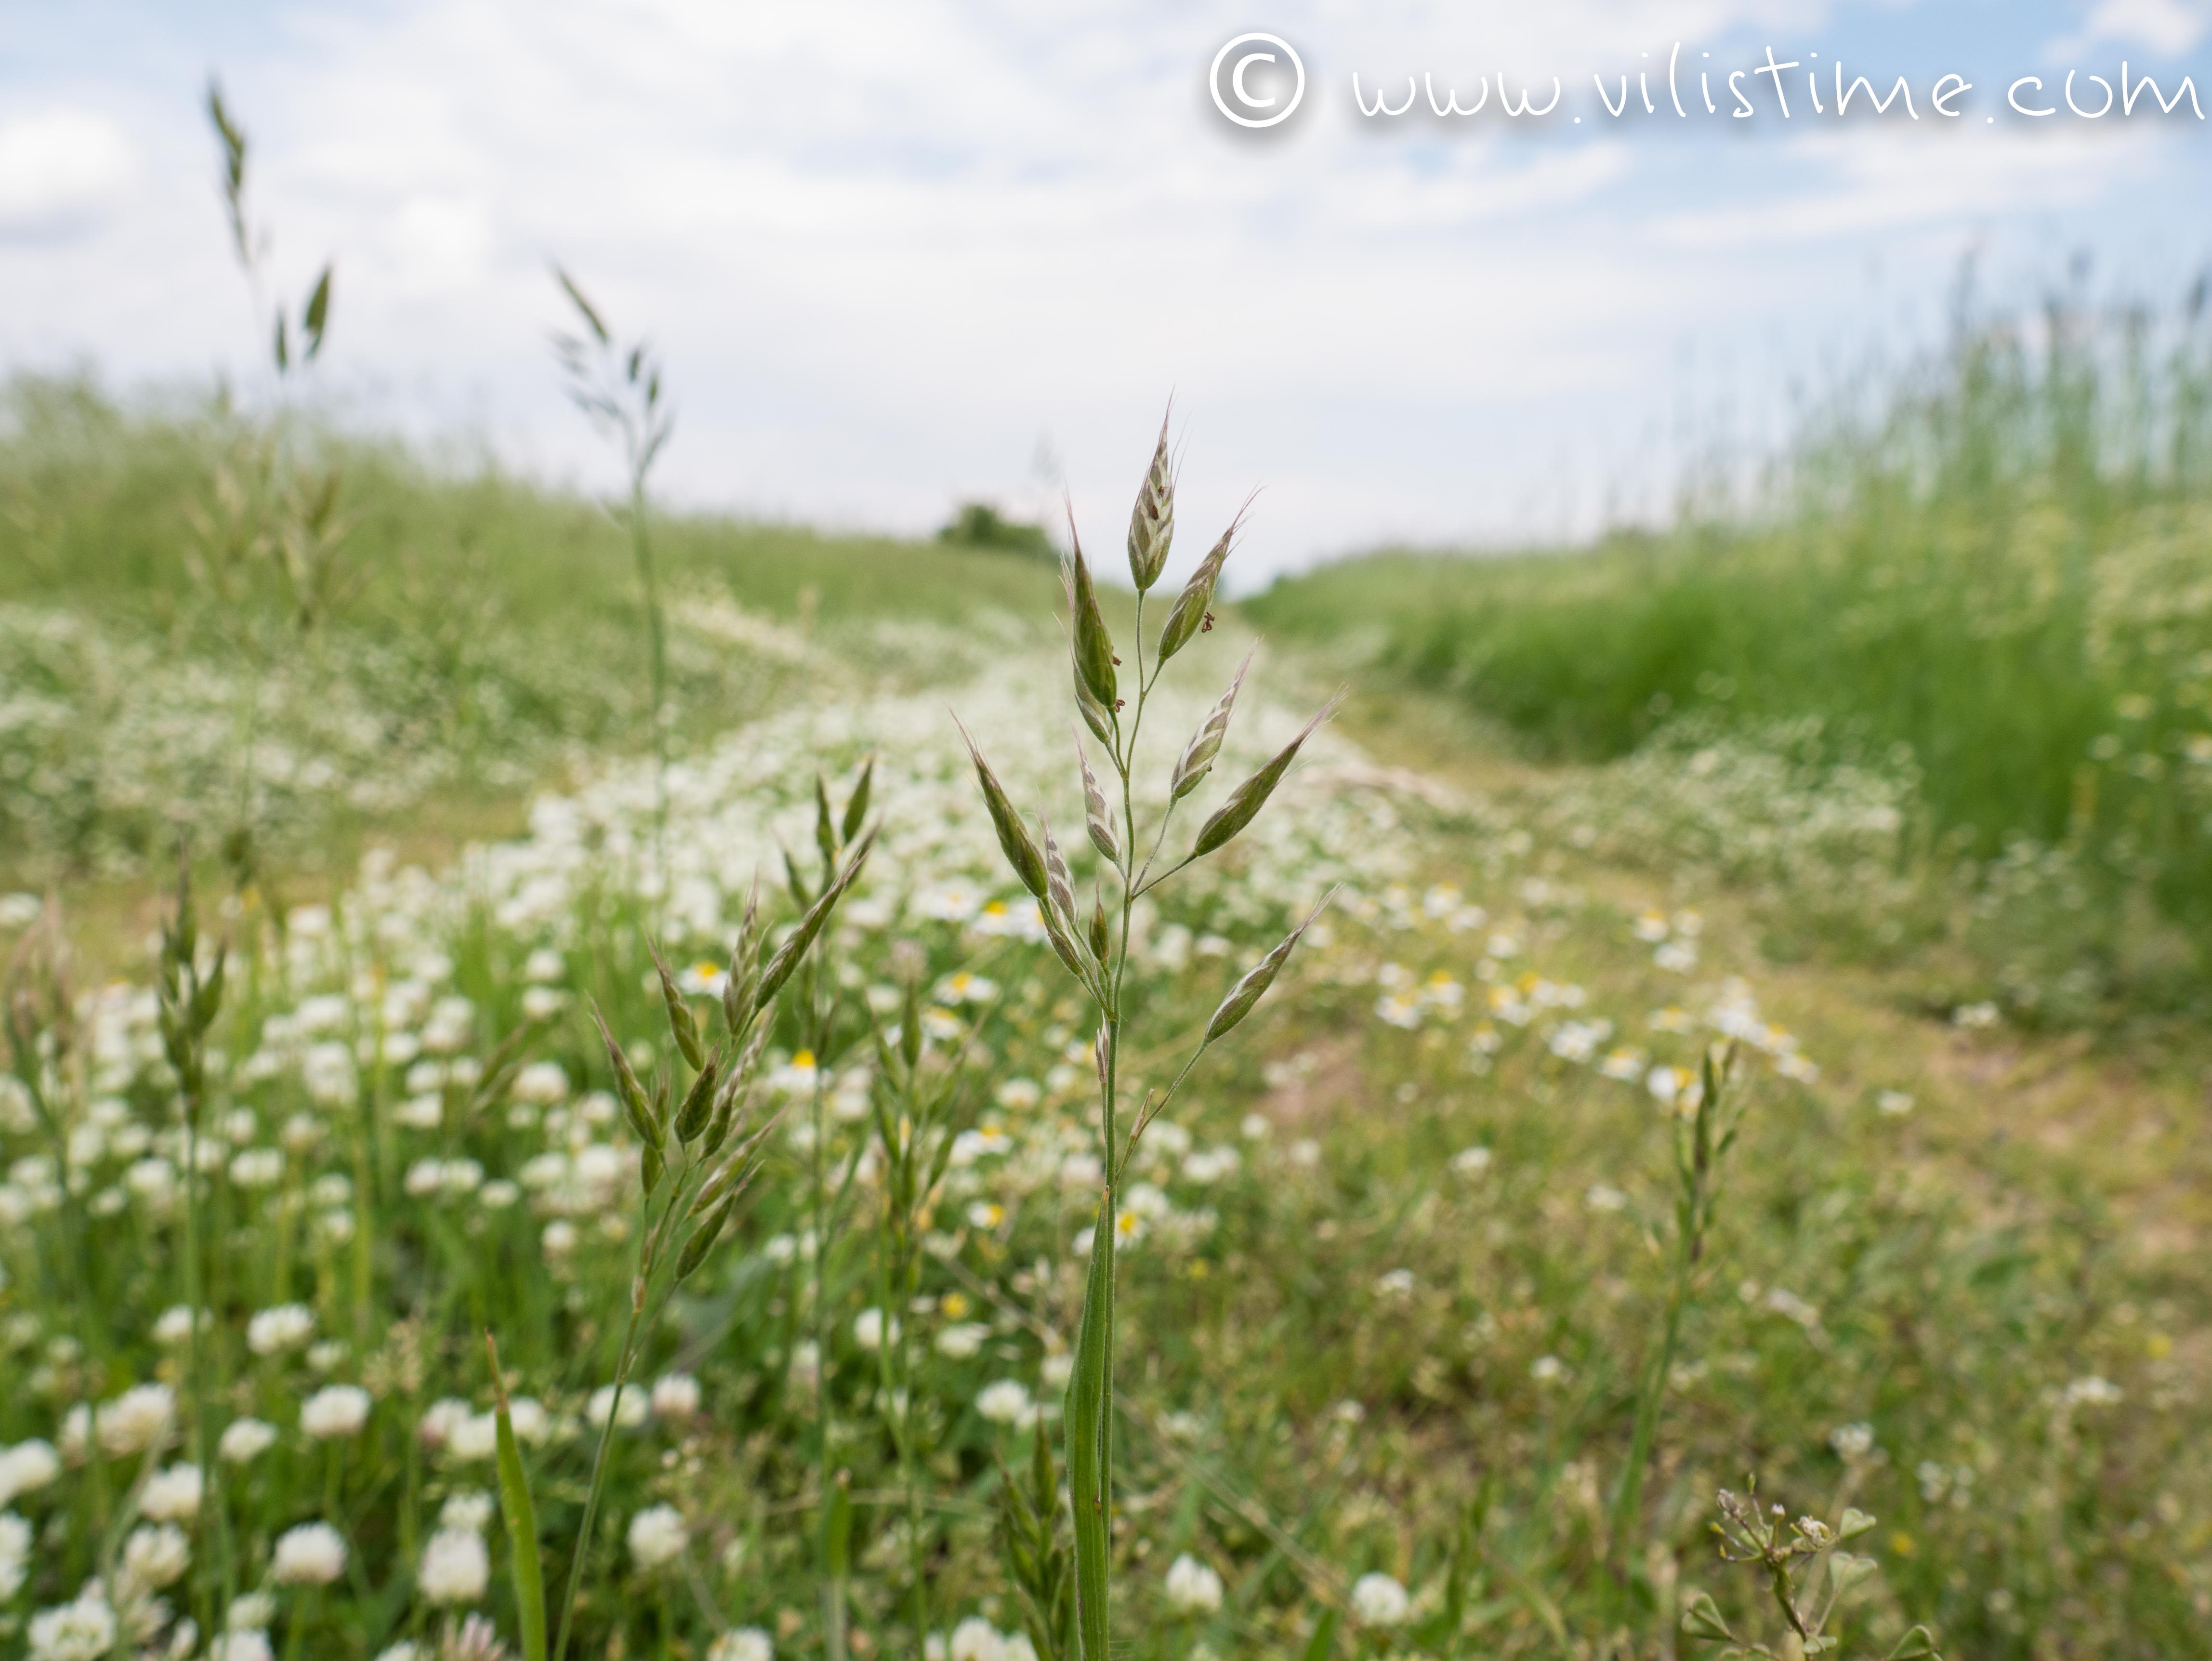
x=897, y=253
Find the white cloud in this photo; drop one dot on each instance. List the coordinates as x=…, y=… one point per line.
x=885, y=245
x=2169, y=26
x=59, y=168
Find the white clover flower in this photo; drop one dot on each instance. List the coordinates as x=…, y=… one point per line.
x=533, y=1426
x=542, y=1084
x=456, y=1568
x=1378, y=1600
x=242, y=1644
x=14, y=1554
x=1603, y=1196
x=474, y=1438
x=441, y=1419
x=871, y=1329
x=83, y=1630
x=1396, y=1283
x=405, y=1650
x=962, y=1341
x=139, y=1419
x=471, y=1509
x=744, y=1644
x=334, y=1412
x=1006, y=1403
x=1193, y=1587
x=251, y=1612
x=630, y=1413
x=244, y=1440
x=675, y=1396
x=1852, y=1442
x=285, y=1326
x=26, y=1467
x=155, y=1556
x=310, y=1554
x=1056, y=1369
x=174, y=1327
x=257, y=1167
x=976, y=1640
x=171, y=1495
x=657, y=1536
x=2092, y=1391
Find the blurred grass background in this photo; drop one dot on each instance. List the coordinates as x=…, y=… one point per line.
x=1990, y=571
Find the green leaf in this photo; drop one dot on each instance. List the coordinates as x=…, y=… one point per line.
x=1089, y=1479
x=1324, y=1636
x=1701, y=1618
x=1919, y=1645
x=522, y=1518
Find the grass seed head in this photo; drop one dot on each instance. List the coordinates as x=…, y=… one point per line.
x=1014, y=840
x=1197, y=758
x=1151, y=522
x=1093, y=646
x=1098, y=816
x=1192, y=609
x=1246, y=800
x=1252, y=986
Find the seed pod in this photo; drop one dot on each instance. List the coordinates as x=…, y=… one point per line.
x=737, y=1000
x=1013, y=835
x=207, y=995
x=1151, y=522
x=1060, y=886
x=795, y=945
x=1096, y=716
x=682, y=1024
x=1253, y=985
x=1246, y=800
x=1093, y=646
x=1188, y=615
x=635, y=1105
x=1197, y=758
x=856, y=809
x=698, y=1104
x=910, y=1027
x=1098, y=816
x=1064, y=948
x=702, y=1237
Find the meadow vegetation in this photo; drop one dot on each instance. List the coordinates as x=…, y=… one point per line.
x=1971, y=596
x=752, y=1187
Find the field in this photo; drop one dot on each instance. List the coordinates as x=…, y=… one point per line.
x=1452, y=1290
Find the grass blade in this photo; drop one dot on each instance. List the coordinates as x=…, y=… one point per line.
x=522, y=1518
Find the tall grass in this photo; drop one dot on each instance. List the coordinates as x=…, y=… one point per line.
x=1989, y=563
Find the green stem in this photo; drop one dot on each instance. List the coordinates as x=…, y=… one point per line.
x=600, y=1461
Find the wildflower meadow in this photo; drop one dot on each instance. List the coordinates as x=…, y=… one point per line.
x=588, y=1081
